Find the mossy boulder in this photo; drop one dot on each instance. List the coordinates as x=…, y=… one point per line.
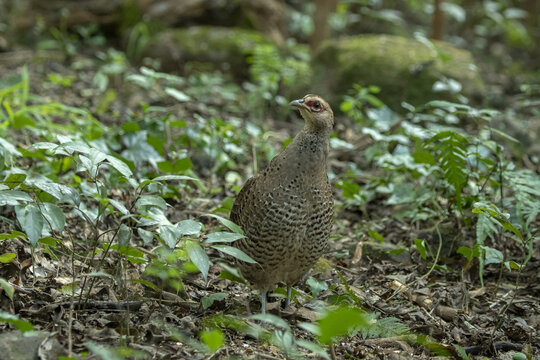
x=206, y=47
x=403, y=68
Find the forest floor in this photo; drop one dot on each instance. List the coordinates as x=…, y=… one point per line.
x=438, y=302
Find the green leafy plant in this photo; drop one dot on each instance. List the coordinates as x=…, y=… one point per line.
x=422, y=165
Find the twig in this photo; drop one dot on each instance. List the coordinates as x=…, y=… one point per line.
x=332, y=352
x=266, y=356
x=71, y=298
x=399, y=289
x=437, y=256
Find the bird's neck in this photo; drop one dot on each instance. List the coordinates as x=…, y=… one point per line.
x=322, y=131
x=310, y=150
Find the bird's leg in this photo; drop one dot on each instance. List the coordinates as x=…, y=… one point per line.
x=263, y=302
x=288, y=301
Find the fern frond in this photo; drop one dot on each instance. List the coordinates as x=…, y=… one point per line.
x=382, y=328
x=452, y=149
x=485, y=227
x=526, y=187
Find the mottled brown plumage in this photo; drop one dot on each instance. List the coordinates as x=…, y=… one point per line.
x=286, y=210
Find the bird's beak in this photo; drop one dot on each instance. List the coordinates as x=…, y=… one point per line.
x=298, y=104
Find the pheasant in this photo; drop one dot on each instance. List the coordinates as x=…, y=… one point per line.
x=286, y=210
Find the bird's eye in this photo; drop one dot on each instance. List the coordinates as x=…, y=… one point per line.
x=315, y=106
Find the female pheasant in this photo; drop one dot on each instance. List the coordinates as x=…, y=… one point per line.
x=286, y=210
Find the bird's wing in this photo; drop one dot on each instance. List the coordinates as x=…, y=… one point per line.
x=241, y=201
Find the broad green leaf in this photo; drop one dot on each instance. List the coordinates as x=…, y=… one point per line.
x=182, y=165
x=169, y=78
x=13, y=197
x=228, y=223
x=119, y=206
x=221, y=236
x=145, y=235
x=198, y=257
x=9, y=148
x=512, y=265
x=120, y=166
x=421, y=247
x=189, y=227
x=237, y=253
x=466, y=251
x=72, y=147
x=349, y=189
x=311, y=327
x=147, y=284
x=124, y=235
x=130, y=126
x=447, y=105
x=175, y=177
x=207, y=301
x=230, y=273
x=313, y=347
x=500, y=218
x=7, y=257
x=50, y=241
x=92, y=161
x=14, y=180
x=340, y=322
x=508, y=226
x=178, y=123
x=61, y=192
x=31, y=221
x=13, y=235
x=54, y=215
x=177, y=94
x=316, y=285
x=492, y=256
x=7, y=287
x=504, y=135
x=14, y=320
x=170, y=235
x=375, y=235
x=43, y=146
x=214, y=339
x=177, y=167
x=423, y=157
x=21, y=121
x=152, y=200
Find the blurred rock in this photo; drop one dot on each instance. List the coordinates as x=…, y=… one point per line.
x=189, y=12
x=208, y=47
x=404, y=69
x=28, y=13
x=268, y=17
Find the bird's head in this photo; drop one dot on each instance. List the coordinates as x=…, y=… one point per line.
x=316, y=112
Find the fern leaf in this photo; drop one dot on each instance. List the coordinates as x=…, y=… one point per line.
x=485, y=227
x=453, y=159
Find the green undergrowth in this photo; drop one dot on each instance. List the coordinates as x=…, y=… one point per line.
x=101, y=184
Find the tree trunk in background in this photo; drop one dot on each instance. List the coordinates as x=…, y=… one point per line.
x=532, y=15
x=321, y=31
x=437, y=22
x=268, y=17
